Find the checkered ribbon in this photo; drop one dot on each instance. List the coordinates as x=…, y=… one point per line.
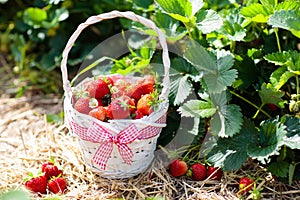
x=97, y=134
x=106, y=140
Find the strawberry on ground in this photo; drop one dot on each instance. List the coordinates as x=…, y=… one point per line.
x=37, y=184
x=98, y=89
x=57, y=185
x=197, y=172
x=178, y=168
x=120, y=108
x=52, y=170
x=245, y=184
x=215, y=172
x=98, y=113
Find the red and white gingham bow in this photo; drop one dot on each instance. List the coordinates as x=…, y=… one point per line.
x=98, y=134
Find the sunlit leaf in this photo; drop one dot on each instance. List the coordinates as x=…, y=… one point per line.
x=208, y=21
x=271, y=138
x=269, y=95
x=256, y=13
x=180, y=89
x=197, y=108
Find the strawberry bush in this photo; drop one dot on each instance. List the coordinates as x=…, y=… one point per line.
x=236, y=76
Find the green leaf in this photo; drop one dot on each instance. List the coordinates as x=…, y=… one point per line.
x=288, y=5
x=218, y=80
x=280, y=77
x=182, y=66
x=34, y=16
x=256, y=12
x=292, y=138
x=196, y=6
x=180, y=89
x=269, y=4
x=286, y=19
x=271, y=138
x=231, y=153
x=200, y=58
x=197, y=108
x=269, y=95
x=227, y=121
x=15, y=195
x=232, y=27
x=279, y=168
x=208, y=21
x=169, y=26
x=178, y=9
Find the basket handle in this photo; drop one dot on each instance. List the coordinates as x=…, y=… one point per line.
x=110, y=15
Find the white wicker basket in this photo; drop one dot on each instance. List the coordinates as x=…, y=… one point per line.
x=118, y=148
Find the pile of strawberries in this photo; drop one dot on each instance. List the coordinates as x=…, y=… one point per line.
x=116, y=97
x=50, y=177
x=196, y=171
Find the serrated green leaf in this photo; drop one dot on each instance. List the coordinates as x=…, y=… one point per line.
x=270, y=140
x=208, y=21
x=180, y=89
x=231, y=153
x=169, y=26
x=280, y=77
x=286, y=19
x=227, y=121
x=219, y=82
x=178, y=9
x=232, y=26
x=269, y=4
x=182, y=66
x=278, y=58
x=196, y=6
x=197, y=108
x=200, y=58
x=279, y=168
x=292, y=138
x=256, y=13
x=288, y=5
x=34, y=16
x=269, y=95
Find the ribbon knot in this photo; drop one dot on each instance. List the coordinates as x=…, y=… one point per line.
x=98, y=134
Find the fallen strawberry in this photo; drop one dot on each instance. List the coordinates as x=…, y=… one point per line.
x=57, y=185
x=36, y=184
x=98, y=113
x=245, y=185
x=52, y=170
x=178, y=168
x=197, y=172
x=216, y=173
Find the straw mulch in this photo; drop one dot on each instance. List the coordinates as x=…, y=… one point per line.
x=27, y=141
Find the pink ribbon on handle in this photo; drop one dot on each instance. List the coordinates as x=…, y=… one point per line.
x=98, y=134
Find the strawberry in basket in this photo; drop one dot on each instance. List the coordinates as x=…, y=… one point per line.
x=117, y=97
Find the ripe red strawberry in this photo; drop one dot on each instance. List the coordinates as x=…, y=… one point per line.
x=197, y=172
x=142, y=88
x=245, y=184
x=217, y=173
x=57, y=185
x=272, y=107
x=37, y=184
x=120, y=88
x=82, y=105
x=46, y=164
x=52, y=170
x=144, y=105
x=98, y=113
x=120, y=108
x=178, y=168
x=137, y=114
x=98, y=89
